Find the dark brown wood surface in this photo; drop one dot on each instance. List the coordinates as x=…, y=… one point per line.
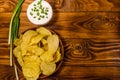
x=90, y=32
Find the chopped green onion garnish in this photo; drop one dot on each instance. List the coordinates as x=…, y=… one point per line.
x=32, y=9
x=34, y=4
x=38, y=14
x=31, y=13
x=39, y=18
x=34, y=17
x=46, y=13
x=39, y=9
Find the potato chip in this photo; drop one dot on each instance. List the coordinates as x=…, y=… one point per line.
x=45, y=47
x=57, y=56
x=24, y=51
x=32, y=58
x=43, y=41
x=53, y=43
x=35, y=50
x=27, y=37
x=31, y=70
x=36, y=39
x=47, y=57
x=17, y=51
x=20, y=60
x=48, y=68
x=43, y=31
x=18, y=41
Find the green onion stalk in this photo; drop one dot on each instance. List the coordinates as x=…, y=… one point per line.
x=14, y=27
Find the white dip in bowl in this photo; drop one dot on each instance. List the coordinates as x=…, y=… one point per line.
x=39, y=12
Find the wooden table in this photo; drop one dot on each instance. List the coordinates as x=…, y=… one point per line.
x=90, y=32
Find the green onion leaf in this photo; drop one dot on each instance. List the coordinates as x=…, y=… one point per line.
x=14, y=26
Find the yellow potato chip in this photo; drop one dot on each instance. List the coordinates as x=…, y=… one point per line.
x=31, y=70
x=20, y=60
x=43, y=41
x=43, y=31
x=35, y=50
x=18, y=41
x=53, y=43
x=36, y=39
x=57, y=56
x=48, y=68
x=24, y=51
x=17, y=54
x=44, y=44
x=32, y=58
x=27, y=37
x=45, y=47
x=17, y=51
x=47, y=57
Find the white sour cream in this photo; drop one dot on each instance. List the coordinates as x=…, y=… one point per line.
x=39, y=15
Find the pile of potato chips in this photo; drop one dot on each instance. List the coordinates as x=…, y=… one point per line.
x=37, y=52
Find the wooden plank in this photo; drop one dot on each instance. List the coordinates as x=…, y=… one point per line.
x=97, y=73
x=65, y=5
x=82, y=25
x=70, y=73
x=92, y=52
x=8, y=73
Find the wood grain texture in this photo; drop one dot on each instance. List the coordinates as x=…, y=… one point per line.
x=90, y=32
x=67, y=5
x=92, y=52
x=70, y=73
